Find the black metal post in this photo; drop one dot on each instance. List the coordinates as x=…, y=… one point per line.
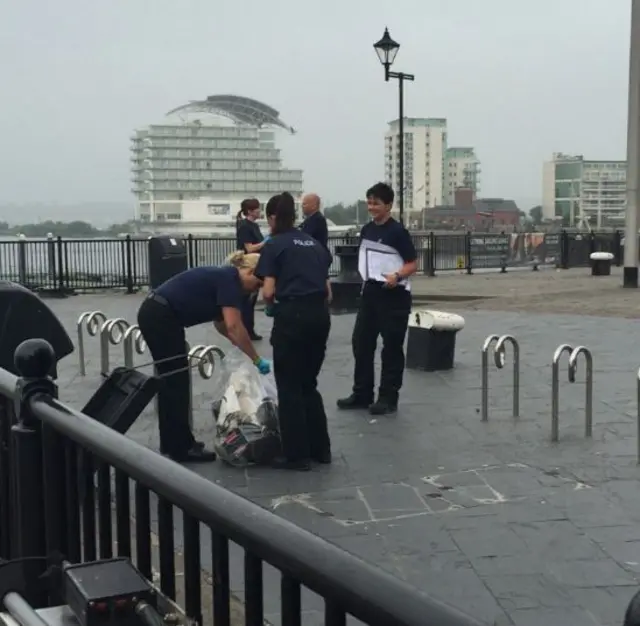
x=401, y=158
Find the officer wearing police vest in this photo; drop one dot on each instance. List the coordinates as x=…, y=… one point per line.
x=384, y=309
x=294, y=268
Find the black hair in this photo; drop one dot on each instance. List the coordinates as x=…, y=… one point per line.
x=283, y=208
x=249, y=204
x=381, y=191
x=632, y=616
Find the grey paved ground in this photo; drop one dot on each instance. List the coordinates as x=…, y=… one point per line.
x=490, y=517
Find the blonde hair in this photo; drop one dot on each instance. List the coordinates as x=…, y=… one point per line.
x=243, y=260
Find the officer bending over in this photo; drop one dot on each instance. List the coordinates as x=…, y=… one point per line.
x=384, y=310
x=195, y=296
x=295, y=269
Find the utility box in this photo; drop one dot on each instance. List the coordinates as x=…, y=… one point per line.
x=167, y=257
x=431, y=341
x=23, y=315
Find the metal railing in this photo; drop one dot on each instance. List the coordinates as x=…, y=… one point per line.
x=67, y=265
x=574, y=355
x=499, y=357
x=51, y=509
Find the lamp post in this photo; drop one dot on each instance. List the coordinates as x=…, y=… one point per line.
x=630, y=272
x=387, y=49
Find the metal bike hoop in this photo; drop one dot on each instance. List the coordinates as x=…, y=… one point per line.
x=132, y=342
x=498, y=344
x=91, y=321
x=111, y=332
x=574, y=355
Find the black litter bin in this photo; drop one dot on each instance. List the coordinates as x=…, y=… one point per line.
x=23, y=315
x=601, y=263
x=431, y=342
x=167, y=257
x=347, y=286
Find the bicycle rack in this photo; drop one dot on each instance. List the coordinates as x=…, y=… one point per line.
x=111, y=332
x=499, y=358
x=91, y=320
x=132, y=342
x=574, y=355
x=206, y=362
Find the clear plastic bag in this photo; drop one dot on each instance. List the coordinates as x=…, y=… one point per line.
x=246, y=413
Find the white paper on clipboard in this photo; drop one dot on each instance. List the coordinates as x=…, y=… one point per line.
x=381, y=263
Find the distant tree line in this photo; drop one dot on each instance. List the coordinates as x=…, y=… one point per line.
x=76, y=228
x=344, y=215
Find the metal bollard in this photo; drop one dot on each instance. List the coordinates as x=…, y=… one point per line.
x=499, y=352
x=206, y=362
x=574, y=354
x=92, y=321
x=111, y=332
x=132, y=341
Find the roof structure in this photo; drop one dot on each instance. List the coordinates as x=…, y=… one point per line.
x=238, y=109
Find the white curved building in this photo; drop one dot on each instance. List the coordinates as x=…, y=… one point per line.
x=192, y=170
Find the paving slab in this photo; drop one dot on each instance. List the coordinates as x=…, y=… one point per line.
x=491, y=517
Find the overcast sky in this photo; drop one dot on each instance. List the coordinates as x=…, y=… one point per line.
x=516, y=79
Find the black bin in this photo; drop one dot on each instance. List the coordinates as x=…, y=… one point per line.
x=347, y=286
x=167, y=257
x=601, y=263
x=23, y=315
x=431, y=341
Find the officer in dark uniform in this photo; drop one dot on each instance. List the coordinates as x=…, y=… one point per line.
x=295, y=270
x=249, y=239
x=384, y=310
x=315, y=224
x=195, y=296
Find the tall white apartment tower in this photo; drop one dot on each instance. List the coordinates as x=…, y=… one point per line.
x=425, y=144
x=462, y=169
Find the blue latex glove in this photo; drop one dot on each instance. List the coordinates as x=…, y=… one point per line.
x=268, y=310
x=264, y=367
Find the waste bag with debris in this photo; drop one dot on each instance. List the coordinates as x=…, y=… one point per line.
x=246, y=413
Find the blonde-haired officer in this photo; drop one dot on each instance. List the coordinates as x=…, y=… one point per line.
x=195, y=296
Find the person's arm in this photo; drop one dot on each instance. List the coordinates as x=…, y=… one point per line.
x=237, y=333
x=253, y=247
x=269, y=289
x=246, y=239
x=323, y=233
x=329, y=292
x=407, y=251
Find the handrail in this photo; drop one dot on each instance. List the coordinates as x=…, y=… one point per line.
x=313, y=561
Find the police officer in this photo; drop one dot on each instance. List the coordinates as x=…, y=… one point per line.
x=195, y=296
x=384, y=310
x=315, y=224
x=249, y=239
x=295, y=269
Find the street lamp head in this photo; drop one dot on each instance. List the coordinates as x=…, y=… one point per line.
x=386, y=49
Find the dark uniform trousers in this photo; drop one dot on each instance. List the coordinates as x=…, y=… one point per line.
x=299, y=340
x=248, y=312
x=165, y=338
x=383, y=311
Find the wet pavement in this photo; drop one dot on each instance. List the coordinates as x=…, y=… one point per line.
x=491, y=517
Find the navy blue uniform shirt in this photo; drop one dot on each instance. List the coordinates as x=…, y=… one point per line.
x=198, y=295
x=392, y=234
x=316, y=226
x=297, y=261
x=247, y=232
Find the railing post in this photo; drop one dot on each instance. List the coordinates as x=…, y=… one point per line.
x=34, y=359
x=564, y=250
x=617, y=247
x=60, y=265
x=128, y=264
x=467, y=252
x=431, y=255
x=190, y=250
x=22, y=261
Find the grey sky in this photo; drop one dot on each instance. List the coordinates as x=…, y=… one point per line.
x=517, y=80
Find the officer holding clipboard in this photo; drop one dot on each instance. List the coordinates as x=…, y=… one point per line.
x=386, y=260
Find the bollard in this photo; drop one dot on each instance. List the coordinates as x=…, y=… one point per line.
x=132, y=341
x=111, y=332
x=205, y=357
x=574, y=354
x=92, y=321
x=499, y=352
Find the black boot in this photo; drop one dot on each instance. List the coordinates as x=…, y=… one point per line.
x=353, y=402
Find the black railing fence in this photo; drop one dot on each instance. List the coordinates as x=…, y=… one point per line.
x=70, y=488
x=65, y=265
